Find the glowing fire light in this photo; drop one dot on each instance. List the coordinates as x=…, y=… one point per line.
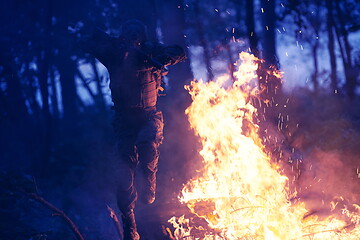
x=240, y=194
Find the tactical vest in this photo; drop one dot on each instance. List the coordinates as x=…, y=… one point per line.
x=149, y=90
x=135, y=88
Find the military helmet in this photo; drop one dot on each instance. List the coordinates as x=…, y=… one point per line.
x=133, y=31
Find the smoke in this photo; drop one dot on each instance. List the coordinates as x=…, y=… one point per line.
x=319, y=150
x=179, y=152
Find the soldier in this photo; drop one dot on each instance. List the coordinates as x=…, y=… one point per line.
x=135, y=66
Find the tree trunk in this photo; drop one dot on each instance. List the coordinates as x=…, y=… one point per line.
x=34, y=106
x=67, y=70
x=2, y=105
x=43, y=82
x=44, y=66
x=250, y=23
x=100, y=95
x=316, y=68
x=15, y=102
x=46, y=119
x=345, y=49
x=231, y=61
x=271, y=85
x=203, y=42
x=331, y=45
x=349, y=69
x=54, y=99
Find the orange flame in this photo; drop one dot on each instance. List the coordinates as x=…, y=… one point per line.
x=240, y=194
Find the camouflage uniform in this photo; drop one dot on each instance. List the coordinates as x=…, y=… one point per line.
x=135, y=76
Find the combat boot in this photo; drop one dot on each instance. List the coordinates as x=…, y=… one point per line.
x=129, y=226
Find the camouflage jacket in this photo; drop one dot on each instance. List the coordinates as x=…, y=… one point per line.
x=135, y=72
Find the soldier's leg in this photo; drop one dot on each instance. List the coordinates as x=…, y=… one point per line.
x=149, y=139
x=129, y=226
x=148, y=157
x=126, y=192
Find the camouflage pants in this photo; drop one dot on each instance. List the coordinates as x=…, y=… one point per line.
x=139, y=134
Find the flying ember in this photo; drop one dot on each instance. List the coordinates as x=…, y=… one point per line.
x=239, y=193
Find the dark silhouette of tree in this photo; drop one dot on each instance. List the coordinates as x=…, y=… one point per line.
x=307, y=16
x=347, y=21
x=250, y=24
x=331, y=45
x=271, y=85
x=202, y=40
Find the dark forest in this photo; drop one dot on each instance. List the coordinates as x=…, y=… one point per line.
x=59, y=161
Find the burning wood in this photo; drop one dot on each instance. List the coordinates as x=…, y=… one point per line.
x=241, y=194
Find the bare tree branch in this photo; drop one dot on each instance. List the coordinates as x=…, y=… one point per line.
x=58, y=212
x=116, y=222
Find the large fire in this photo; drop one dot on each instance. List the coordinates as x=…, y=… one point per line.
x=239, y=193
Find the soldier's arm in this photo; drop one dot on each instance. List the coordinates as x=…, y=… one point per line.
x=169, y=55
x=97, y=43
